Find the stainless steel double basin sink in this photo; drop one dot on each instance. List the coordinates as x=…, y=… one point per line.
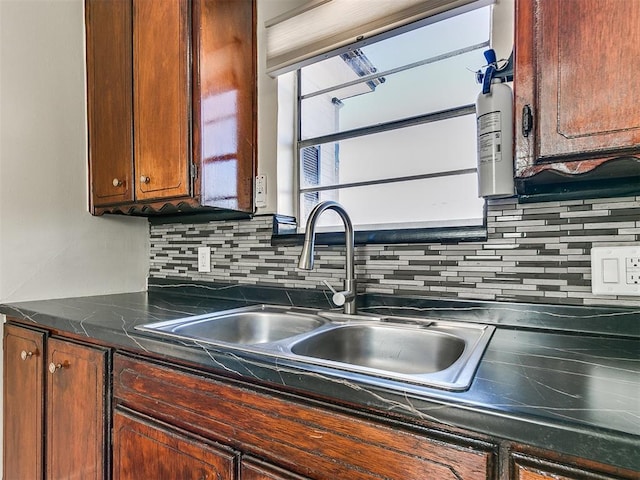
x=417, y=351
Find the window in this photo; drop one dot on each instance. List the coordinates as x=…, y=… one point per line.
x=388, y=128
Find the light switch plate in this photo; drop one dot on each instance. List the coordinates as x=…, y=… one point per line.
x=615, y=270
x=204, y=259
x=261, y=191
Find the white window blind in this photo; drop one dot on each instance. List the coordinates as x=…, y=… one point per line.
x=304, y=34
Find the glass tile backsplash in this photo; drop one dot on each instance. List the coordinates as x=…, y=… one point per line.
x=535, y=252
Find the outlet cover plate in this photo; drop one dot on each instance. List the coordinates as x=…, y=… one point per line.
x=615, y=270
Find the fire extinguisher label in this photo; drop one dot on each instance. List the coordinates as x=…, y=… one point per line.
x=489, y=137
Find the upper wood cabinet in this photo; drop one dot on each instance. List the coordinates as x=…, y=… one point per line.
x=576, y=71
x=171, y=105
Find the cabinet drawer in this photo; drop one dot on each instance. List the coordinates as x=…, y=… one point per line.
x=305, y=438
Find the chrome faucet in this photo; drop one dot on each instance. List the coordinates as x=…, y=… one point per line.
x=348, y=296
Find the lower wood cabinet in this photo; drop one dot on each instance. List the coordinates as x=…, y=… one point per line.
x=304, y=440
x=172, y=422
x=64, y=436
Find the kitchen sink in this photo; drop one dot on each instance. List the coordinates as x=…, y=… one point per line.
x=384, y=347
x=417, y=351
x=250, y=325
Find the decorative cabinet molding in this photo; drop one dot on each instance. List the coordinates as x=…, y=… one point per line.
x=171, y=106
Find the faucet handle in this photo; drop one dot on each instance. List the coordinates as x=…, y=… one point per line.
x=333, y=290
x=339, y=298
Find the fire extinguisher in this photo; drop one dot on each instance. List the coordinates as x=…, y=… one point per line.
x=494, y=116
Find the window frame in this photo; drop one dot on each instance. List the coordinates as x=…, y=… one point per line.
x=286, y=230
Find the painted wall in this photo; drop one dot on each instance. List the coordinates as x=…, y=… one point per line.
x=273, y=145
x=50, y=246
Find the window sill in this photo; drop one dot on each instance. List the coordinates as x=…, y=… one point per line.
x=284, y=234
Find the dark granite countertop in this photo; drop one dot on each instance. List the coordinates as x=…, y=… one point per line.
x=564, y=379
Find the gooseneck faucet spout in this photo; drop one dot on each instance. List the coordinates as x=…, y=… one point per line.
x=348, y=296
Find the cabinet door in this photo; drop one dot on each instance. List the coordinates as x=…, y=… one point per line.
x=23, y=403
x=76, y=410
x=225, y=102
x=576, y=66
x=161, y=39
x=524, y=467
x=143, y=450
x=109, y=101
x=253, y=469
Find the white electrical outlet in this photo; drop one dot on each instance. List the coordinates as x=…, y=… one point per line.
x=615, y=270
x=261, y=191
x=633, y=270
x=204, y=259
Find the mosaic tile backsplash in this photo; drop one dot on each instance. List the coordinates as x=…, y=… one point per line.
x=535, y=252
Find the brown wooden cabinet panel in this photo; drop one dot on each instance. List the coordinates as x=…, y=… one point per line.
x=109, y=102
x=161, y=97
x=575, y=67
x=526, y=467
x=76, y=408
x=143, y=450
x=224, y=126
x=23, y=403
x=307, y=440
x=526, y=473
x=252, y=469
